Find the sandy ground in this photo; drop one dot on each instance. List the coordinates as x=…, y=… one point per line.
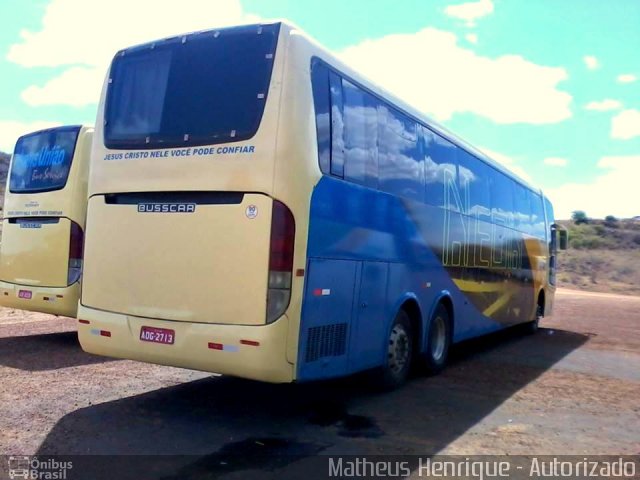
x=573, y=388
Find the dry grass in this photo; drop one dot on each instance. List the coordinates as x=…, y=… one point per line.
x=600, y=270
x=603, y=257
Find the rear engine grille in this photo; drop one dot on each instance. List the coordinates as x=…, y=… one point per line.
x=326, y=341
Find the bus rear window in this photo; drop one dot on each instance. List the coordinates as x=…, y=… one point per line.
x=198, y=89
x=42, y=160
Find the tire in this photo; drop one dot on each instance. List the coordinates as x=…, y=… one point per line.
x=532, y=326
x=439, y=336
x=399, y=355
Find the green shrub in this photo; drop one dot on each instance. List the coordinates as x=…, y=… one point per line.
x=611, y=221
x=579, y=217
x=600, y=230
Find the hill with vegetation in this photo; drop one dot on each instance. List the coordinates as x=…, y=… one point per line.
x=603, y=255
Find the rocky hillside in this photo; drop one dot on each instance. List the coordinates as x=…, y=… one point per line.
x=604, y=256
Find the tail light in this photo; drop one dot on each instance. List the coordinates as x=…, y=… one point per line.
x=76, y=240
x=283, y=231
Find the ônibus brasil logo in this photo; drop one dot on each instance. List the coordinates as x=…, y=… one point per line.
x=36, y=468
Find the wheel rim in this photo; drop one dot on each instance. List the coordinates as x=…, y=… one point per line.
x=438, y=339
x=399, y=349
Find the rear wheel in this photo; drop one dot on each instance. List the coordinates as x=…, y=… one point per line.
x=399, y=355
x=438, y=341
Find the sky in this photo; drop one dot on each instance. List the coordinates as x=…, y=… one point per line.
x=549, y=88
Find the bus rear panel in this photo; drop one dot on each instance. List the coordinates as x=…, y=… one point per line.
x=190, y=255
x=44, y=216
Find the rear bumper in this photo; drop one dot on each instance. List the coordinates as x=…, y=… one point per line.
x=56, y=301
x=265, y=362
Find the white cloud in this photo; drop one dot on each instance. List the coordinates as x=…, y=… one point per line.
x=556, y=161
x=471, y=38
x=508, y=162
x=10, y=130
x=615, y=192
x=626, y=78
x=591, y=62
x=626, y=124
x=87, y=46
x=77, y=86
x=470, y=11
x=432, y=72
x=603, y=105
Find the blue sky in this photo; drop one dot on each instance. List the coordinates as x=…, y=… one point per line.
x=550, y=88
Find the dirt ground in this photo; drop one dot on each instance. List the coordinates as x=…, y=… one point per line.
x=573, y=388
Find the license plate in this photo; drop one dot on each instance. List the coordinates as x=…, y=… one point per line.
x=26, y=294
x=157, y=335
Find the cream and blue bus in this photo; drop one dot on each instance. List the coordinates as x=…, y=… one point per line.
x=43, y=226
x=259, y=209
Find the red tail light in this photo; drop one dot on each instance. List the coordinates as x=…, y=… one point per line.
x=76, y=244
x=282, y=238
x=280, y=260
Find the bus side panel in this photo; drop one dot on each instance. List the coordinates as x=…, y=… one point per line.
x=349, y=222
x=488, y=263
x=327, y=310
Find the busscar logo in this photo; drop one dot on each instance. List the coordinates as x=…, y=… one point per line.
x=166, y=207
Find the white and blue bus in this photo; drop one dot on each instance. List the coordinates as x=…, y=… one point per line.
x=259, y=209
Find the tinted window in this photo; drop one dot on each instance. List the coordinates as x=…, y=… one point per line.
x=42, y=160
x=522, y=209
x=360, y=135
x=473, y=177
x=203, y=88
x=322, y=106
x=502, y=199
x=538, y=225
x=400, y=160
x=549, y=210
x=337, y=125
x=440, y=172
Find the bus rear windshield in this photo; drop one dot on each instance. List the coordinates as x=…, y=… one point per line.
x=42, y=160
x=199, y=89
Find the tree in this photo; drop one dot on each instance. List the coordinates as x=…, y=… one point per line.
x=611, y=221
x=579, y=216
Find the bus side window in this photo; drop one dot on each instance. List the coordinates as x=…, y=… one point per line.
x=360, y=135
x=522, y=210
x=440, y=171
x=401, y=162
x=322, y=105
x=537, y=216
x=337, y=126
x=502, y=199
x=473, y=177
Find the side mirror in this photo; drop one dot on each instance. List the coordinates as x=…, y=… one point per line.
x=563, y=239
